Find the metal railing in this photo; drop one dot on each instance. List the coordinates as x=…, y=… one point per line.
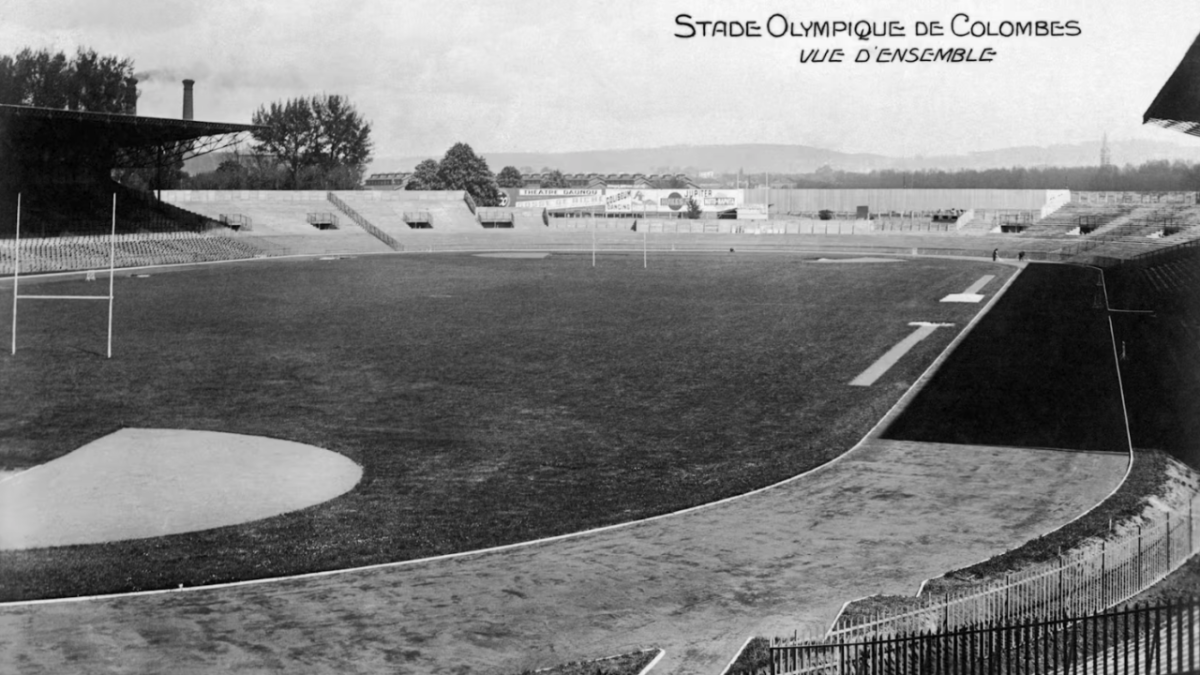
x=1085, y=582
x=363, y=222
x=1162, y=639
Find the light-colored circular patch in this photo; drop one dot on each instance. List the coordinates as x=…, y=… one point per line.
x=139, y=483
x=514, y=254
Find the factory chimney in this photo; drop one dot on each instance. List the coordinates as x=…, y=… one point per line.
x=187, y=99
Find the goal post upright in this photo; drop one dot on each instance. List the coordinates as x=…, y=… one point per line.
x=112, y=267
x=16, y=274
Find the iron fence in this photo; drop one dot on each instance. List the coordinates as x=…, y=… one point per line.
x=1163, y=639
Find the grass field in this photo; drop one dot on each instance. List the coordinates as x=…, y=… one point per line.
x=490, y=401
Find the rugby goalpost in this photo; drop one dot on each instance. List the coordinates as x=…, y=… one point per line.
x=112, y=260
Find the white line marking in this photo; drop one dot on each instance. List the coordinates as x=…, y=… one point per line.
x=963, y=297
x=978, y=285
x=650, y=666
x=889, y=359
x=971, y=294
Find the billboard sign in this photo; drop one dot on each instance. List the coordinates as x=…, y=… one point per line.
x=670, y=201
x=621, y=200
x=552, y=198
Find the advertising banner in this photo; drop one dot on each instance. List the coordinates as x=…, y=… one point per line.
x=554, y=199
x=752, y=212
x=621, y=200
x=670, y=201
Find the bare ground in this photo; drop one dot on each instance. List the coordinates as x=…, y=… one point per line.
x=880, y=520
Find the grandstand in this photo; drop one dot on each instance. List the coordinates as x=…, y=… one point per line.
x=272, y=223
x=280, y=220
x=399, y=213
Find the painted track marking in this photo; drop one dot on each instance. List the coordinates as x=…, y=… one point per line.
x=972, y=293
x=889, y=359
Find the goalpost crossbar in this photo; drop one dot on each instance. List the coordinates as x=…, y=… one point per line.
x=112, y=263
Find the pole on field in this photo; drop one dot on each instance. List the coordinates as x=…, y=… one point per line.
x=16, y=274
x=644, y=246
x=112, y=265
x=593, y=242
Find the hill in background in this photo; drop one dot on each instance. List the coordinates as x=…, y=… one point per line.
x=752, y=158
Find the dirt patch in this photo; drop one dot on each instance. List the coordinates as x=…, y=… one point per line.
x=139, y=483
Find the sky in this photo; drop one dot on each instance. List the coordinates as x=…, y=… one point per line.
x=560, y=76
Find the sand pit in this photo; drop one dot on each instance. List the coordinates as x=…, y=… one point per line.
x=138, y=483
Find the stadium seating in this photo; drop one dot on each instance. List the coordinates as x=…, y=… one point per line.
x=446, y=211
x=280, y=213
x=280, y=220
x=63, y=210
x=93, y=252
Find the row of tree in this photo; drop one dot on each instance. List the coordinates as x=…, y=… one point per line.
x=86, y=81
x=1157, y=175
x=306, y=142
x=322, y=142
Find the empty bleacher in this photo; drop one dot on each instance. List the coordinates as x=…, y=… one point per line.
x=303, y=222
x=93, y=252
x=352, y=222
x=70, y=209
x=400, y=213
x=269, y=213
x=1070, y=217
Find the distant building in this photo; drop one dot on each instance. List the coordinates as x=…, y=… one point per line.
x=387, y=181
x=593, y=181
x=600, y=181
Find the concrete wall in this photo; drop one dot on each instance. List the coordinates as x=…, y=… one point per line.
x=184, y=196
x=811, y=201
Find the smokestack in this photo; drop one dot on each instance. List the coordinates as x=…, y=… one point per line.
x=187, y=99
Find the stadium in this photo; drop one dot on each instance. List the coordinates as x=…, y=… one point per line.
x=395, y=431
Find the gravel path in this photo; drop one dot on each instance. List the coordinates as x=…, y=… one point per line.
x=881, y=519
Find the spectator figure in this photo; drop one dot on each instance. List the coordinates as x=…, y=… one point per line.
x=1021, y=256
x=995, y=254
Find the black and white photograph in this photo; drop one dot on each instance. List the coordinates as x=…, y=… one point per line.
x=676, y=337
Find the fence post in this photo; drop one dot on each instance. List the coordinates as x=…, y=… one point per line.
x=1139, y=559
x=1104, y=574
x=1062, y=605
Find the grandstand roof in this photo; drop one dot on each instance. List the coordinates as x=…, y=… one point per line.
x=1177, y=105
x=122, y=130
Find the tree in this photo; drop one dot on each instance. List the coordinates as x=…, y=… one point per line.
x=554, y=179
x=88, y=81
x=693, y=208
x=510, y=177
x=462, y=169
x=321, y=141
x=425, y=177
